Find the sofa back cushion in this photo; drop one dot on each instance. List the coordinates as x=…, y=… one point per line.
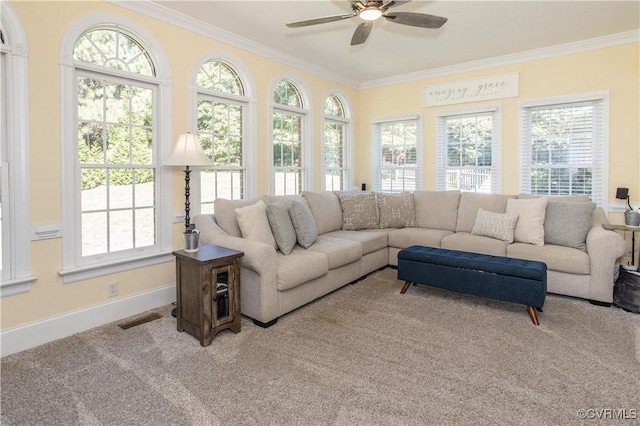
x=325, y=207
x=470, y=202
x=225, y=212
x=436, y=209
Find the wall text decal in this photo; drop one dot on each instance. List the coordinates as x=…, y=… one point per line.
x=474, y=90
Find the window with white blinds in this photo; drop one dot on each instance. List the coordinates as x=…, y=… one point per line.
x=468, y=152
x=336, y=144
x=396, y=154
x=563, y=146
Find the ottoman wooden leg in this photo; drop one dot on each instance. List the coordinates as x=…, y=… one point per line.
x=405, y=287
x=533, y=314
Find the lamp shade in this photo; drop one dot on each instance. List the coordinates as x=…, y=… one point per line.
x=187, y=152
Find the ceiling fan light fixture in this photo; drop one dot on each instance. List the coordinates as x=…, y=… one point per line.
x=370, y=13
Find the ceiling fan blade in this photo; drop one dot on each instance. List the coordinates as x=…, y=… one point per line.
x=416, y=19
x=321, y=20
x=362, y=33
x=394, y=3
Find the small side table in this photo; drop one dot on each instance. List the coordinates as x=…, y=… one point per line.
x=208, y=291
x=633, y=231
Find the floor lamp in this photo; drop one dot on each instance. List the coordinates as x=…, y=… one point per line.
x=188, y=152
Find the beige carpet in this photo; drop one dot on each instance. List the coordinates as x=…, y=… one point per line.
x=362, y=355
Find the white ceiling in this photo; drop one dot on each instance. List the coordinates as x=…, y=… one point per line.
x=475, y=31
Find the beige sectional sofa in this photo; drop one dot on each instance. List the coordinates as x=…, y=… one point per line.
x=355, y=233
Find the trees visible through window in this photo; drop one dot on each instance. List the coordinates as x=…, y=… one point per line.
x=335, y=144
x=115, y=145
x=288, y=144
x=397, y=153
x=469, y=150
x=221, y=110
x=563, y=148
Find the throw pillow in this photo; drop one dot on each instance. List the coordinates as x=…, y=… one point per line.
x=283, y=231
x=530, y=226
x=495, y=225
x=254, y=224
x=396, y=210
x=303, y=223
x=568, y=223
x=359, y=211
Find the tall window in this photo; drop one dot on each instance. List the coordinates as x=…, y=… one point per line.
x=221, y=111
x=115, y=182
x=289, y=121
x=336, y=147
x=15, y=216
x=397, y=154
x=563, y=146
x=468, y=150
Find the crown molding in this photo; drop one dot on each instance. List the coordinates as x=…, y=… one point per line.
x=531, y=55
x=164, y=14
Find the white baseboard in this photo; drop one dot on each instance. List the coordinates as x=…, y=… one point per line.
x=37, y=333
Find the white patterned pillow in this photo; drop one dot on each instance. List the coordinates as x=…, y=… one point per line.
x=359, y=211
x=396, y=210
x=495, y=225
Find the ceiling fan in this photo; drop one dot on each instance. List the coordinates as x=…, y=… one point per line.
x=370, y=11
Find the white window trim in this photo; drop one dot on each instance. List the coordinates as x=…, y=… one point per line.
x=376, y=148
x=73, y=269
x=347, y=149
x=603, y=96
x=496, y=148
x=20, y=278
x=306, y=112
x=250, y=120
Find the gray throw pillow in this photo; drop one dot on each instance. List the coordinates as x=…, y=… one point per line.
x=281, y=226
x=396, y=210
x=567, y=223
x=359, y=210
x=303, y=223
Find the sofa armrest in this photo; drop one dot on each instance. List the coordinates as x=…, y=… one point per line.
x=258, y=257
x=604, y=248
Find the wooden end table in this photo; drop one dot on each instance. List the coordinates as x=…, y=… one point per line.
x=208, y=291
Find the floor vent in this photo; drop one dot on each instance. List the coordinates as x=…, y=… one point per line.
x=141, y=320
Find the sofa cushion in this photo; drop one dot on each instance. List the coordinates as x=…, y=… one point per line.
x=530, y=226
x=283, y=231
x=339, y=251
x=569, y=198
x=495, y=225
x=468, y=242
x=370, y=239
x=436, y=209
x=225, y=212
x=567, y=223
x=359, y=210
x=396, y=210
x=299, y=267
x=254, y=224
x=557, y=258
x=326, y=210
x=470, y=202
x=303, y=223
x=287, y=200
x=407, y=237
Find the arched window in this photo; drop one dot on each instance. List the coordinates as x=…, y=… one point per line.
x=113, y=185
x=290, y=140
x=15, y=216
x=223, y=126
x=336, y=147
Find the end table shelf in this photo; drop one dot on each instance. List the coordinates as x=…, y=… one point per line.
x=208, y=291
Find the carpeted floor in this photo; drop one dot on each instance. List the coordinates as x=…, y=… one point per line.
x=362, y=355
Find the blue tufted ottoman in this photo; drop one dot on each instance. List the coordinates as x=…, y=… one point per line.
x=494, y=277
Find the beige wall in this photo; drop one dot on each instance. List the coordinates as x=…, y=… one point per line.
x=614, y=69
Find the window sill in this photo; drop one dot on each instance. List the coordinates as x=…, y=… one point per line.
x=72, y=275
x=16, y=286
